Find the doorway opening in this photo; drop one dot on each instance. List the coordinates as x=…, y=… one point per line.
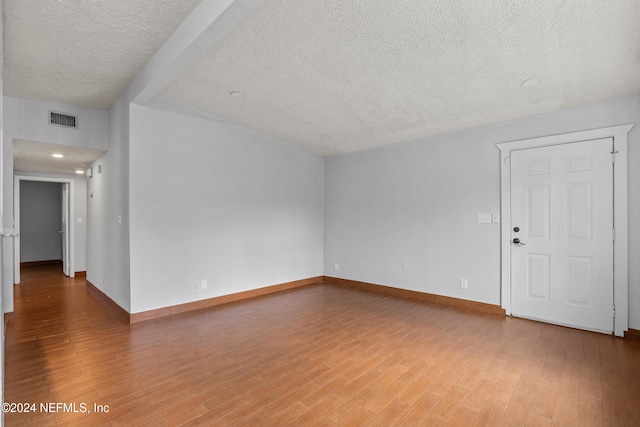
x=66, y=233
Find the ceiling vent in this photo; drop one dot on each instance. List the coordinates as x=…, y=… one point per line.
x=61, y=119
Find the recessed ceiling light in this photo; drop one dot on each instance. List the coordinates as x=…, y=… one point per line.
x=237, y=95
x=58, y=155
x=326, y=136
x=530, y=82
x=79, y=172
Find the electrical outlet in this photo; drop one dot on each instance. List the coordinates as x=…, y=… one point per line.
x=464, y=284
x=204, y=284
x=336, y=266
x=195, y=285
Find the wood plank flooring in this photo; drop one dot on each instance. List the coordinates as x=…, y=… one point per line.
x=320, y=355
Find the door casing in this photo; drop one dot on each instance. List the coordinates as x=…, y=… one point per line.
x=66, y=218
x=620, y=209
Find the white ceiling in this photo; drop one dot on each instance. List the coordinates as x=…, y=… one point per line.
x=81, y=52
x=338, y=76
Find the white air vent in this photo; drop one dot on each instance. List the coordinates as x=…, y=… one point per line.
x=61, y=119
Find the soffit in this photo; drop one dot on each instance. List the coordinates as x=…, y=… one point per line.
x=32, y=156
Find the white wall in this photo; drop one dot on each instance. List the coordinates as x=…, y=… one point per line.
x=417, y=201
x=80, y=212
x=108, y=212
x=40, y=221
x=24, y=119
x=216, y=202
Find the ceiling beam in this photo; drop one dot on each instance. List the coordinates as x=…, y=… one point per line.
x=209, y=22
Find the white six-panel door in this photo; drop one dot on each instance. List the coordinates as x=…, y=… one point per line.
x=562, y=255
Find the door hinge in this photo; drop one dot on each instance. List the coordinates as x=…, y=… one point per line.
x=507, y=160
x=614, y=312
x=613, y=234
x=613, y=156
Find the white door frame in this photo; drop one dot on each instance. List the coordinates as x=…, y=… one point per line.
x=66, y=218
x=621, y=244
x=70, y=236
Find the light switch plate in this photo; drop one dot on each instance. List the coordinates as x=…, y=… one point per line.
x=495, y=218
x=484, y=218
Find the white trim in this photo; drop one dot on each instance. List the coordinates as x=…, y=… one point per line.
x=16, y=209
x=621, y=244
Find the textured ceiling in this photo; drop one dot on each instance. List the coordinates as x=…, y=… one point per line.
x=82, y=52
x=30, y=156
x=337, y=76
x=343, y=75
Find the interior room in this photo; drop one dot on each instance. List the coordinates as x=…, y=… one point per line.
x=327, y=213
x=41, y=221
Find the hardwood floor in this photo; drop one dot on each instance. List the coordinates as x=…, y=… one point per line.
x=319, y=355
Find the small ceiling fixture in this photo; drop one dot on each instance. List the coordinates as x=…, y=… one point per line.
x=58, y=155
x=530, y=82
x=79, y=172
x=237, y=95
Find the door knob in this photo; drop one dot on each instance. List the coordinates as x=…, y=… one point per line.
x=517, y=241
